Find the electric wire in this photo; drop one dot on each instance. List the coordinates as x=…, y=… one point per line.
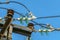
x=48, y=17
x=21, y=15
x=15, y=2
x=27, y=10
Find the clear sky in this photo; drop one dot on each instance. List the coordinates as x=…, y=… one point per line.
x=39, y=8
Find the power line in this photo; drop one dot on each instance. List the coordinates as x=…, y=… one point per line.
x=20, y=15
x=15, y=2
x=14, y=11
x=27, y=10
x=48, y=17
x=32, y=20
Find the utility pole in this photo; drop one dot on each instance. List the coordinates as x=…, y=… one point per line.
x=6, y=25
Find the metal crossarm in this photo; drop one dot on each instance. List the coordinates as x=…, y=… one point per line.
x=20, y=29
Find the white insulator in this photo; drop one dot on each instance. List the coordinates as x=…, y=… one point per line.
x=44, y=30
x=29, y=18
x=39, y=30
x=33, y=17
x=24, y=18
x=50, y=30
x=18, y=18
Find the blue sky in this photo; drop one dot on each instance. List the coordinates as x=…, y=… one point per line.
x=39, y=8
